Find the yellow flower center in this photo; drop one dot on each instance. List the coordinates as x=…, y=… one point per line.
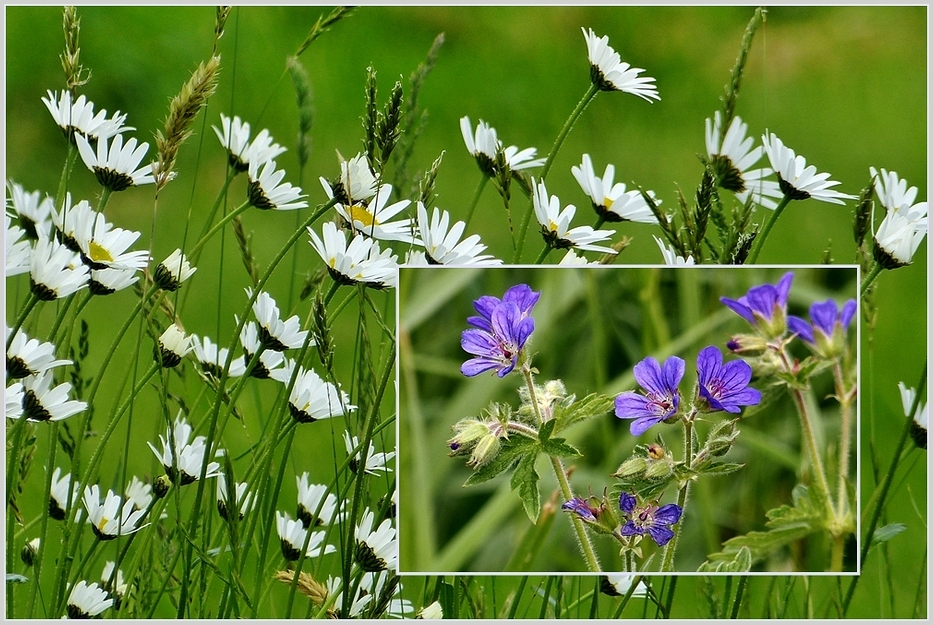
x=607, y=202
x=362, y=215
x=103, y=523
x=551, y=226
x=100, y=253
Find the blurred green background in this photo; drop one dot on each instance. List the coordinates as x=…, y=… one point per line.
x=844, y=86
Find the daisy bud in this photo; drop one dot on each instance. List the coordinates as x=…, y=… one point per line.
x=161, y=486
x=173, y=346
x=30, y=551
x=172, y=271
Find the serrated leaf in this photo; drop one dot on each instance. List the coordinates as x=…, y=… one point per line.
x=719, y=468
x=593, y=405
x=547, y=428
x=509, y=453
x=886, y=533
x=525, y=481
x=560, y=448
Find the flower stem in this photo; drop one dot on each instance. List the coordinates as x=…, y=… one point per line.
x=845, y=397
x=193, y=254
x=667, y=559
x=599, y=221
x=872, y=274
x=479, y=192
x=584, y=101
x=31, y=302
x=547, y=250
x=104, y=197
x=591, y=561
x=760, y=239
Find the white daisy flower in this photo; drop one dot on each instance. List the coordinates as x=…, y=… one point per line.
x=555, y=225
x=609, y=73
x=269, y=361
x=314, y=496
x=292, y=536
x=360, y=261
x=571, y=259
x=618, y=585
x=30, y=551
x=921, y=418
x=896, y=197
x=311, y=398
x=174, y=345
x=213, y=360
x=34, y=215
x=372, y=219
x=241, y=498
x=42, y=402
x=240, y=151
x=115, y=165
x=731, y=155
x=373, y=463
x=172, y=271
x=360, y=601
x=78, y=116
x=104, y=247
x=897, y=240
x=432, y=611
x=416, y=258
x=114, y=517
x=58, y=495
x=274, y=333
x=73, y=222
x=139, y=493
x=670, y=255
x=611, y=201
x=26, y=356
x=442, y=245
x=484, y=145
x=356, y=185
x=13, y=398
x=18, y=253
x=374, y=583
x=797, y=180
x=181, y=457
x=109, y=281
x=119, y=583
x=376, y=550
x=267, y=191
x=87, y=600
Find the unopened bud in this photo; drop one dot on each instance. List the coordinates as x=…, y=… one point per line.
x=30, y=551
x=161, y=486
x=632, y=466
x=486, y=449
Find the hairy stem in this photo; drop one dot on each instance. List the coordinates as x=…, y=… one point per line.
x=760, y=239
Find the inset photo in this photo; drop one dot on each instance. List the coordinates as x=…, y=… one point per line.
x=628, y=420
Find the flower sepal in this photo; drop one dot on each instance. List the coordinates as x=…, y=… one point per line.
x=598, y=513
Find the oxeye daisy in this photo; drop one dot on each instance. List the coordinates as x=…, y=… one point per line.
x=75, y=221
x=797, y=180
x=172, y=346
x=268, y=362
x=555, y=225
x=904, y=225
x=274, y=333
x=240, y=150
x=267, y=191
x=172, y=271
x=104, y=247
x=87, y=600
x=356, y=184
x=571, y=258
x=896, y=197
x=670, y=255
x=114, y=517
x=432, y=611
x=609, y=73
x=33, y=215
x=115, y=165
x=359, y=262
x=921, y=418
x=375, y=583
x=618, y=585
x=731, y=155
x=292, y=537
x=213, y=359
x=442, y=245
x=311, y=498
x=372, y=219
x=484, y=145
x=376, y=550
x=611, y=201
x=42, y=402
x=109, y=281
x=18, y=252
x=139, y=493
x=373, y=463
x=233, y=499
x=183, y=458
x=311, y=398
x=59, y=494
x=115, y=584
x=26, y=356
x=78, y=116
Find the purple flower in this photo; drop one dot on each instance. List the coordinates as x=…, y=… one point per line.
x=762, y=302
x=521, y=295
x=581, y=508
x=826, y=316
x=650, y=519
x=661, y=398
x=724, y=386
x=499, y=346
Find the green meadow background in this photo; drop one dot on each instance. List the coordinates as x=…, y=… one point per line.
x=844, y=86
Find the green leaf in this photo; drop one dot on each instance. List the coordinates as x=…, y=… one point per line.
x=525, y=481
x=448, y=598
x=593, y=405
x=509, y=453
x=886, y=533
x=719, y=468
x=560, y=448
x=547, y=428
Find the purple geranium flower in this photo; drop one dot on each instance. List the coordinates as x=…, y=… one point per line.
x=498, y=347
x=521, y=295
x=724, y=386
x=761, y=302
x=581, y=508
x=661, y=398
x=649, y=519
x=826, y=316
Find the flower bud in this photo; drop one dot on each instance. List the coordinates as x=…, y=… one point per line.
x=469, y=431
x=30, y=551
x=486, y=449
x=161, y=485
x=631, y=467
x=747, y=344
